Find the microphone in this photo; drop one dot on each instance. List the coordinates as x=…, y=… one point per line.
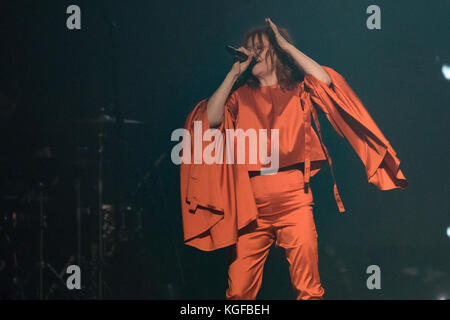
x=236, y=54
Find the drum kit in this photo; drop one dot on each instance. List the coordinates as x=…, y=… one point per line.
x=100, y=220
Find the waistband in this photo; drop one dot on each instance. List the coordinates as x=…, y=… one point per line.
x=298, y=166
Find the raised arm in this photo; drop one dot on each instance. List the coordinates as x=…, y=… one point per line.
x=217, y=101
x=305, y=63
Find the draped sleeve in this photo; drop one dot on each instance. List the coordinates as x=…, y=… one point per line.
x=216, y=198
x=353, y=122
x=231, y=108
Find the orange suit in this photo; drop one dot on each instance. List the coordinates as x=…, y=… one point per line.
x=221, y=205
x=286, y=218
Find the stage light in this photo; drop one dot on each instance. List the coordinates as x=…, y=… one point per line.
x=446, y=71
x=448, y=231
x=442, y=296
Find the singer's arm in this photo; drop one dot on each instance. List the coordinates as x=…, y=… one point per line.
x=217, y=101
x=305, y=63
x=308, y=65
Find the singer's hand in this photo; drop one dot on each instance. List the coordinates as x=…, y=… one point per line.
x=240, y=67
x=282, y=42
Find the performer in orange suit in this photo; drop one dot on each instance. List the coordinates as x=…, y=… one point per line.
x=237, y=205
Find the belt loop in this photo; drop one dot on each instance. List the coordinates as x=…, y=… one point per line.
x=307, y=126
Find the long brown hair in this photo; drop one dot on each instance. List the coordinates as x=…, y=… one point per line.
x=288, y=73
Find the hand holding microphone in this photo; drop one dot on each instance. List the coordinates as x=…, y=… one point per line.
x=243, y=58
x=236, y=53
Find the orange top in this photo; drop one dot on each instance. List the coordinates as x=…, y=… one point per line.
x=271, y=107
x=217, y=199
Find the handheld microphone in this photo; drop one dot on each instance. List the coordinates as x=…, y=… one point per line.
x=236, y=54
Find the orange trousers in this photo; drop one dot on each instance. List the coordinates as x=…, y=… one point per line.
x=286, y=217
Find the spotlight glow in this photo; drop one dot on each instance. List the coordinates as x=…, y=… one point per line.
x=446, y=71
x=448, y=231
x=442, y=296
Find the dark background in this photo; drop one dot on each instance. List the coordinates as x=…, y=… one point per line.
x=153, y=61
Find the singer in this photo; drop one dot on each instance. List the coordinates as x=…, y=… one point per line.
x=237, y=205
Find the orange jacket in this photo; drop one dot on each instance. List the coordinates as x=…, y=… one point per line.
x=217, y=199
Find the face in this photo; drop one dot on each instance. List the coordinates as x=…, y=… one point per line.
x=264, y=65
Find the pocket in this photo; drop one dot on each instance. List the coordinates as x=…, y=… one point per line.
x=295, y=179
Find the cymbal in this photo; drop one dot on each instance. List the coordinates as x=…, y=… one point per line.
x=107, y=119
x=84, y=162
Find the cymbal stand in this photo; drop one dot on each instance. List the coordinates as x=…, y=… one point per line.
x=42, y=265
x=100, y=262
x=78, y=219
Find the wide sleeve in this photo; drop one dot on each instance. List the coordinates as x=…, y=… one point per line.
x=232, y=104
x=353, y=122
x=231, y=108
x=216, y=198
